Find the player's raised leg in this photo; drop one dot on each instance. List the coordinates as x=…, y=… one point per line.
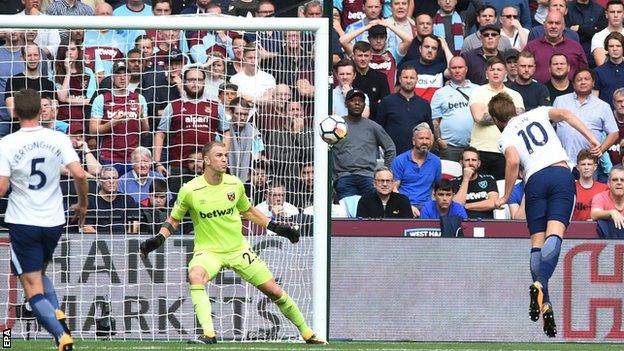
x=290, y=310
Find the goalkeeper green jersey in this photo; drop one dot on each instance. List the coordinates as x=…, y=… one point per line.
x=215, y=211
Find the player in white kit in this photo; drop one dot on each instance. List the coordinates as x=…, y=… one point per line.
x=529, y=139
x=30, y=161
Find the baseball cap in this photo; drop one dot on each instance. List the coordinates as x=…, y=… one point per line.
x=353, y=92
x=491, y=27
x=377, y=29
x=511, y=54
x=176, y=55
x=119, y=66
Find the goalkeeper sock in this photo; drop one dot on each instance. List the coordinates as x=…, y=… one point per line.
x=43, y=310
x=291, y=311
x=550, y=257
x=48, y=291
x=534, y=262
x=203, y=310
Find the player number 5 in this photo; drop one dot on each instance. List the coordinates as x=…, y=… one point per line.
x=34, y=171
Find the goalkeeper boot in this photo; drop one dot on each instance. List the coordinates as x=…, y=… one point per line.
x=204, y=339
x=537, y=298
x=66, y=343
x=316, y=340
x=550, y=328
x=60, y=316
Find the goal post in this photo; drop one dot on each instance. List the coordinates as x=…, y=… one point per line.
x=320, y=99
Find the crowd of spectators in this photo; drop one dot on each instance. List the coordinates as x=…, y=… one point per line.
x=442, y=68
x=412, y=78
x=139, y=105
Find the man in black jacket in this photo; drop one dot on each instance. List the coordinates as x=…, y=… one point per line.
x=383, y=203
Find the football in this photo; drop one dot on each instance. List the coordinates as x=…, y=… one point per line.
x=333, y=129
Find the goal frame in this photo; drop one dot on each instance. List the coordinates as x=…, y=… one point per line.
x=320, y=27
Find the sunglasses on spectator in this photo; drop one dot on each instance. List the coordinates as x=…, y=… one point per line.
x=511, y=16
x=490, y=35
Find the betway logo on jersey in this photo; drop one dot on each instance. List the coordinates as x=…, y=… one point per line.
x=481, y=195
x=460, y=104
x=216, y=213
x=106, y=54
x=122, y=114
x=386, y=65
x=356, y=15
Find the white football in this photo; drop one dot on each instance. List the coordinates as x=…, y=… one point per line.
x=333, y=129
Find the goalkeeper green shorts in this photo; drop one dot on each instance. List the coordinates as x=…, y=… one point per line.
x=245, y=262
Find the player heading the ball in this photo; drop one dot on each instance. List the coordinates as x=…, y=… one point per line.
x=216, y=201
x=529, y=139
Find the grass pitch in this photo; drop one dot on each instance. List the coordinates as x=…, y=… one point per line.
x=90, y=345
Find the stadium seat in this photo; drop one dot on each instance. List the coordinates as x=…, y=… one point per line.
x=502, y=213
x=349, y=204
x=451, y=169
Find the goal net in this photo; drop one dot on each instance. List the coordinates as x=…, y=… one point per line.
x=142, y=95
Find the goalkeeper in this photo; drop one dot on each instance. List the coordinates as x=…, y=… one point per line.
x=215, y=201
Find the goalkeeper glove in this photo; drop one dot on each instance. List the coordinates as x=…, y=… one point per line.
x=286, y=231
x=151, y=244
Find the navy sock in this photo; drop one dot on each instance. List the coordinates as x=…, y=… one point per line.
x=550, y=257
x=49, y=293
x=534, y=262
x=43, y=310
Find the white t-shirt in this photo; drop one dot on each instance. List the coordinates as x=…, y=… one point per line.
x=535, y=140
x=598, y=39
x=32, y=157
x=253, y=86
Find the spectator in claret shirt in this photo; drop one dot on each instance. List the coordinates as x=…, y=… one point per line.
x=553, y=42
x=75, y=83
x=118, y=117
x=586, y=186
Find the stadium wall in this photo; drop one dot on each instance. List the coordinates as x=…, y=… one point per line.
x=447, y=289
x=413, y=288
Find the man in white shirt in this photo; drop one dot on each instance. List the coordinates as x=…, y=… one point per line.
x=275, y=205
x=253, y=83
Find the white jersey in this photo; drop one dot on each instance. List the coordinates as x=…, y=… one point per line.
x=31, y=158
x=535, y=140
